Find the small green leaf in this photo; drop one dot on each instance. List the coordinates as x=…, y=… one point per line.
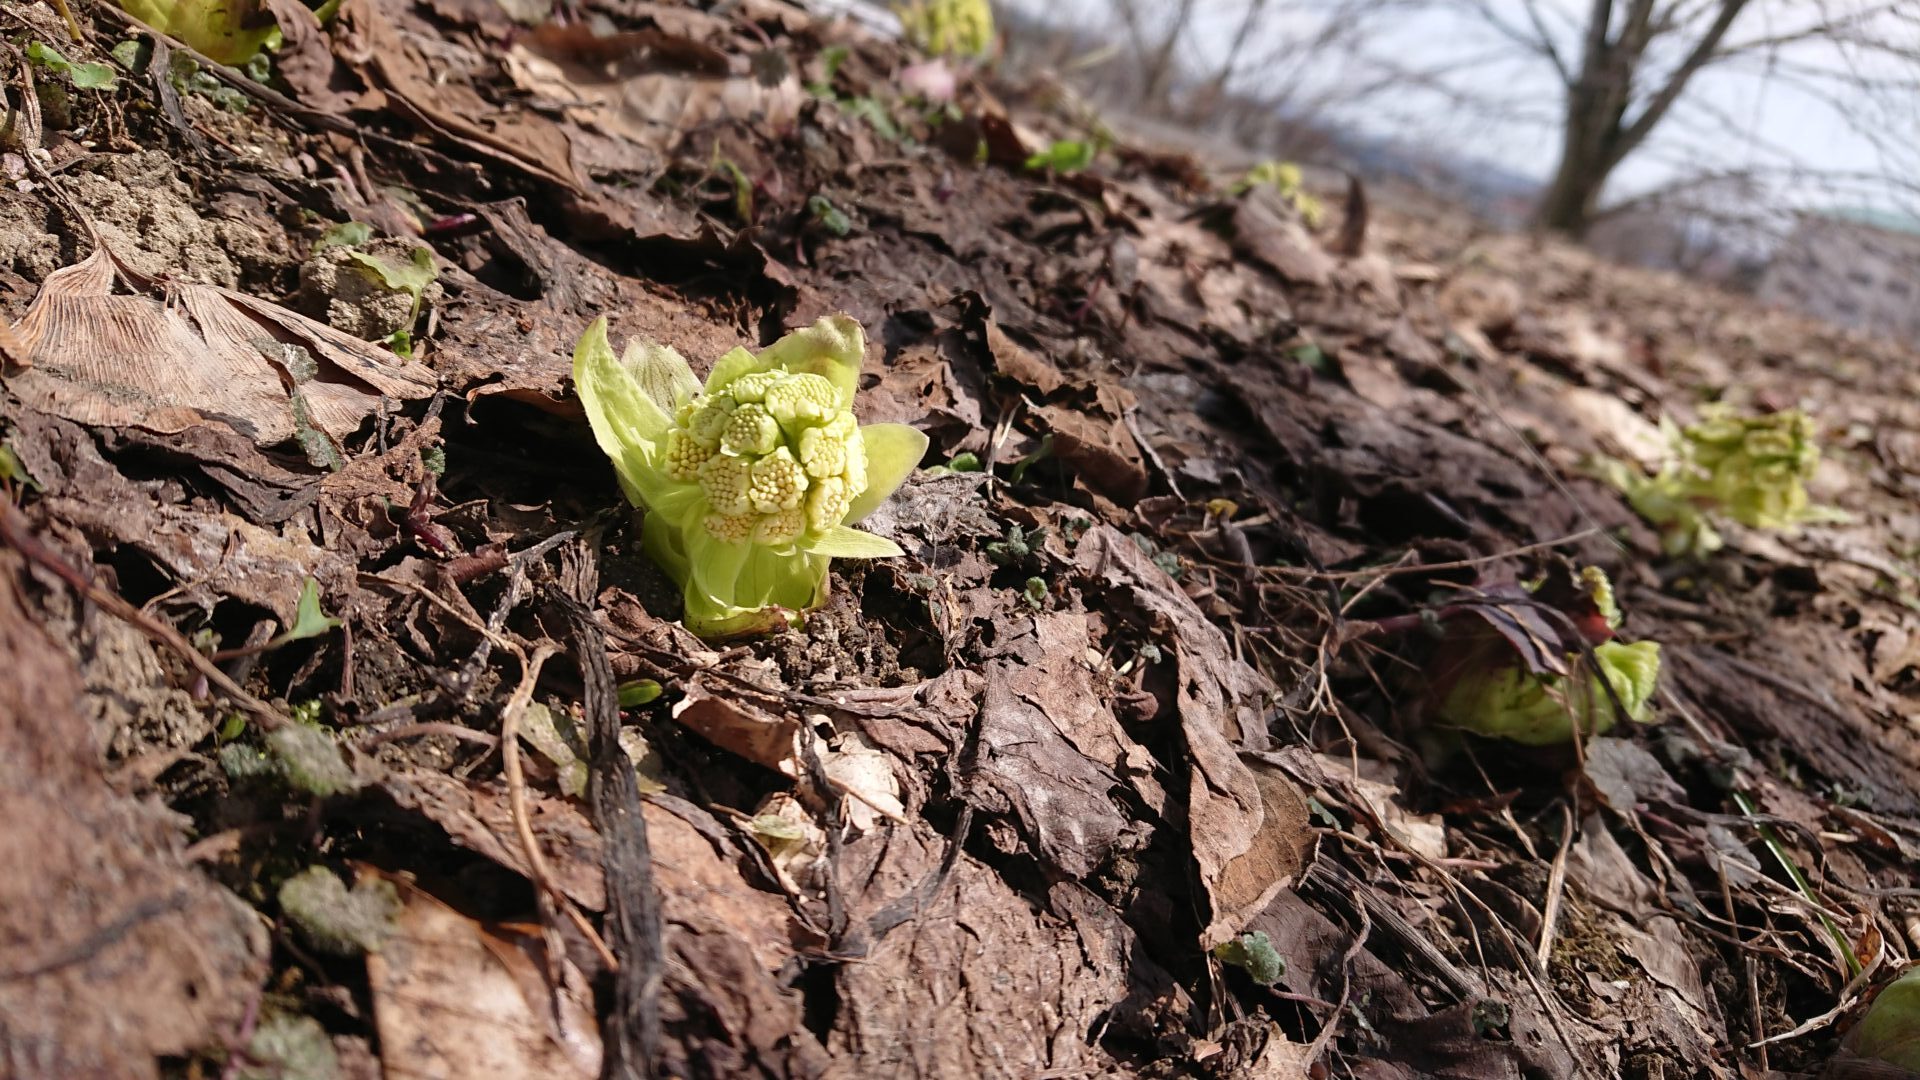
x=626, y=422
x=830, y=217
x=308, y=620
x=638, y=692
x=1255, y=953
x=1309, y=355
x=663, y=374
x=833, y=347
x=1890, y=1031
x=235, y=725
x=411, y=277
x=350, y=234
x=337, y=920
x=1035, y=592
x=289, y=1047
x=1040, y=454
x=12, y=468
x=1064, y=156
x=967, y=462
x=311, y=761
x=93, y=76
x=845, y=543
x=47, y=56
x=133, y=54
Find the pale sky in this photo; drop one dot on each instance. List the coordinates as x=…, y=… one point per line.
x=1502, y=104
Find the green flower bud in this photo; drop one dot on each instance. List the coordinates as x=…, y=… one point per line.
x=825, y=449
x=753, y=387
x=799, y=401
x=779, y=483
x=750, y=431
x=728, y=483
x=708, y=423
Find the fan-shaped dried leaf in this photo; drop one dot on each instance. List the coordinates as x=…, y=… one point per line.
x=208, y=354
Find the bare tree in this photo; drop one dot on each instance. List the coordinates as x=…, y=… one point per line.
x=1625, y=65
x=1243, y=69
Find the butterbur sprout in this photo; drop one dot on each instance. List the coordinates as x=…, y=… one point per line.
x=1752, y=469
x=1494, y=694
x=1509, y=702
x=947, y=27
x=752, y=482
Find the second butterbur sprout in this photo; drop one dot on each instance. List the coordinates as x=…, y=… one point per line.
x=752, y=481
x=1750, y=469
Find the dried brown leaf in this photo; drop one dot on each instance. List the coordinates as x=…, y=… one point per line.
x=1248, y=830
x=452, y=997
x=212, y=354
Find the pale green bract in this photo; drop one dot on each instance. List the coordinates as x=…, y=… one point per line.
x=751, y=482
x=1510, y=702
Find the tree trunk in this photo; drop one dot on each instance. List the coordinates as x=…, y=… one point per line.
x=1598, y=134
x=1568, y=204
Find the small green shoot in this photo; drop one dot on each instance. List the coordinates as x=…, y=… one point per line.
x=187, y=78
x=14, y=471
x=1779, y=851
x=639, y=692
x=1040, y=454
x=968, y=462
x=742, y=188
x=1284, y=177
x=1015, y=548
x=309, y=621
x=876, y=114
x=831, y=58
x=1035, y=593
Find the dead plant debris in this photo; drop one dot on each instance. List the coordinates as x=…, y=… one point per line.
x=1129, y=767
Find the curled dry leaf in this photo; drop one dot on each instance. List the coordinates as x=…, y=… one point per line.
x=205, y=354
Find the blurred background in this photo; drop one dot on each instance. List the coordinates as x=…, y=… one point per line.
x=1768, y=146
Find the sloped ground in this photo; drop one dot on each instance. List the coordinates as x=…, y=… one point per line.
x=988, y=812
